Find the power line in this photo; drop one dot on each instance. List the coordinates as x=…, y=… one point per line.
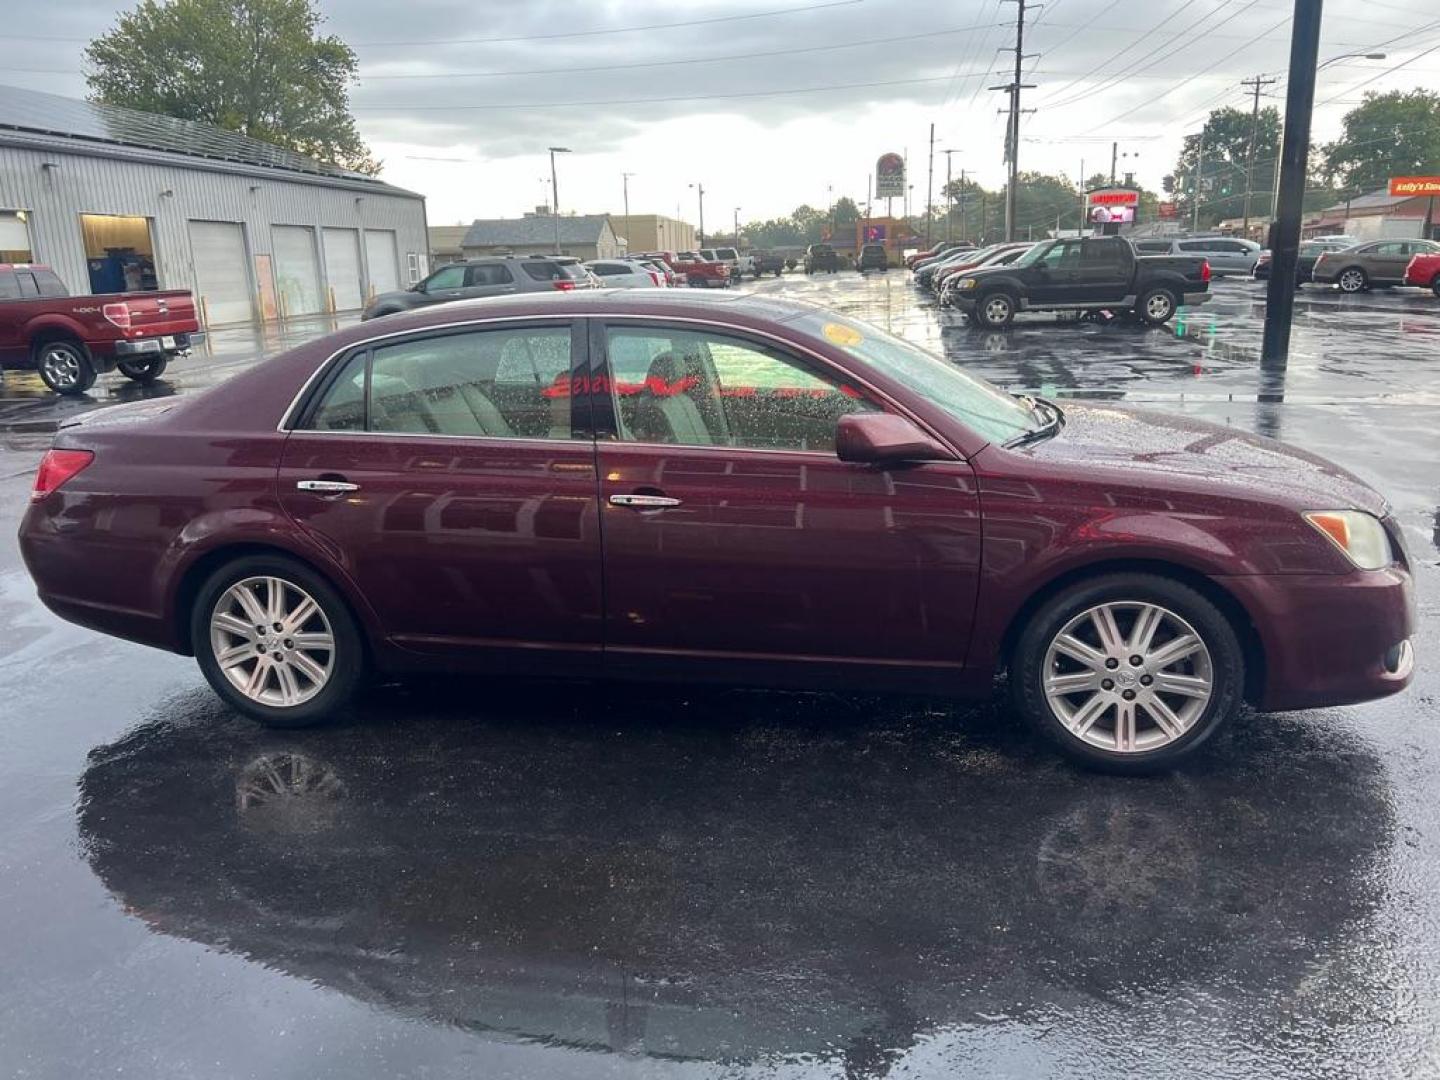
x=1116, y=55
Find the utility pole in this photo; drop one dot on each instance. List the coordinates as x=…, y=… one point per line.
x=1114, y=158
x=1294, y=150
x=625, y=184
x=700, y=189
x=1012, y=130
x=555, y=192
x=1080, y=230
x=949, y=198
x=962, y=204
x=1259, y=82
x=930, y=188
x=1197, y=185
x=737, y=228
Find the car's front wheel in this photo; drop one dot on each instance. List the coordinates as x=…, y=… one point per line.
x=995, y=311
x=1128, y=672
x=145, y=370
x=276, y=641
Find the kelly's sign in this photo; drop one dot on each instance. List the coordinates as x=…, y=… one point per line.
x=1415, y=185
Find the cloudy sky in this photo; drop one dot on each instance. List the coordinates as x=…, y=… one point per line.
x=774, y=103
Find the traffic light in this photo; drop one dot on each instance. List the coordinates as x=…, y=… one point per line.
x=1167, y=183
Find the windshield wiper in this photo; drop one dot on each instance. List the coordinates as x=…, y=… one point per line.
x=1052, y=420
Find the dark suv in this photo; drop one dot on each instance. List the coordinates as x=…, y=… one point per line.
x=820, y=257
x=872, y=257
x=497, y=275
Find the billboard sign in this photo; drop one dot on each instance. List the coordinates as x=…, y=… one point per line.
x=1168, y=210
x=875, y=234
x=890, y=177
x=1106, y=205
x=1415, y=185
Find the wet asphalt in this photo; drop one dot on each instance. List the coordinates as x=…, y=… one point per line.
x=476, y=878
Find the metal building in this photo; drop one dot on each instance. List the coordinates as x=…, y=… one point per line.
x=116, y=200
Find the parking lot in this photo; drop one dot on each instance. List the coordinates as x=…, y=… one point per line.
x=533, y=880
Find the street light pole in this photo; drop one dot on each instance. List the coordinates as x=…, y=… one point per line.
x=555, y=192
x=700, y=189
x=737, y=229
x=625, y=184
x=1294, y=150
x=949, y=198
x=1275, y=203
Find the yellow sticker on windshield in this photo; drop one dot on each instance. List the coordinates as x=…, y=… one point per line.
x=840, y=334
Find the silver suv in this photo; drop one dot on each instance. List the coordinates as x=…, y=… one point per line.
x=1226, y=254
x=497, y=275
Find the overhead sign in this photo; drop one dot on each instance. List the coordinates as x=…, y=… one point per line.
x=1105, y=205
x=890, y=177
x=1415, y=185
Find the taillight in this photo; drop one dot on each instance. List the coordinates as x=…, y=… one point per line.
x=563, y=284
x=56, y=468
x=656, y=278
x=117, y=315
x=1204, y=269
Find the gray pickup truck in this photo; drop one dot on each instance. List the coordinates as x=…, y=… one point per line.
x=1100, y=273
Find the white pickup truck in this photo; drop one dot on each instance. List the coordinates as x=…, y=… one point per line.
x=739, y=265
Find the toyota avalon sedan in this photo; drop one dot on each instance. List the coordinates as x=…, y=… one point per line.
x=650, y=485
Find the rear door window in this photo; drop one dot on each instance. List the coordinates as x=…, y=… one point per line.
x=28, y=285
x=489, y=274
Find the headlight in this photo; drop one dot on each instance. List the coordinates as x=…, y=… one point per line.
x=965, y=283
x=1359, y=535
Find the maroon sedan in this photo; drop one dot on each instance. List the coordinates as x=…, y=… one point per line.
x=738, y=489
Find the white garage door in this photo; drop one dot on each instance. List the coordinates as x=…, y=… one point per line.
x=297, y=270
x=342, y=268
x=217, y=249
x=383, y=258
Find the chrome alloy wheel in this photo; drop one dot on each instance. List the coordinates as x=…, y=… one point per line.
x=997, y=309
x=1352, y=281
x=1127, y=676
x=272, y=641
x=62, y=366
x=1159, y=306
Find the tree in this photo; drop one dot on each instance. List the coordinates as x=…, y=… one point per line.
x=253, y=66
x=1219, y=180
x=1394, y=134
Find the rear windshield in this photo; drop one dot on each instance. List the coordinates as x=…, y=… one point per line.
x=727, y=253
x=553, y=271
x=822, y=249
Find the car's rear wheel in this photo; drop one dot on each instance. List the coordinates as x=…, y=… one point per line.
x=1156, y=306
x=65, y=366
x=1128, y=672
x=1435, y=285
x=276, y=641
x=995, y=311
x=145, y=370
x=1353, y=280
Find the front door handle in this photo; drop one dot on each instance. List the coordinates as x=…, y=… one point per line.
x=644, y=502
x=326, y=487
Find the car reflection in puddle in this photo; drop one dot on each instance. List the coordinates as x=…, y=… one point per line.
x=736, y=877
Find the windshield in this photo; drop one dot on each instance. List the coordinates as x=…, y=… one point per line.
x=983, y=408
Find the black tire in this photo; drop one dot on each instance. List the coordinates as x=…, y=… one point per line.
x=1226, y=660
x=145, y=370
x=995, y=310
x=1352, y=279
x=1156, y=307
x=347, y=662
x=64, y=366
x=1435, y=285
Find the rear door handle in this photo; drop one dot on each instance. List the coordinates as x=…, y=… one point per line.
x=326, y=487
x=644, y=502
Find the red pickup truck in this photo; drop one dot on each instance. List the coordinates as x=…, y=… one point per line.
x=699, y=273
x=1424, y=270
x=70, y=340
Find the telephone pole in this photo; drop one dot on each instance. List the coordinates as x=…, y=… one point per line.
x=949, y=196
x=1012, y=129
x=930, y=188
x=1259, y=82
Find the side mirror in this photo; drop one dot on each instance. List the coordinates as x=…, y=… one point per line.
x=885, y=439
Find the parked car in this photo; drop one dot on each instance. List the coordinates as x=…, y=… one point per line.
x=926, y=275
x=1090, y=273
x=934, y=252
x=821, y=258
x=1310, y=251
x=739, y=264
x=872, y=257
x=769, y=262
x=1378, y=262
x=701, y=273
x=1225, y=254
x=945, y=275
x=1424, y=271
x=660, y=267
x=71, y=340
x=498, y=275
x=625, y=274
x=771, y=493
